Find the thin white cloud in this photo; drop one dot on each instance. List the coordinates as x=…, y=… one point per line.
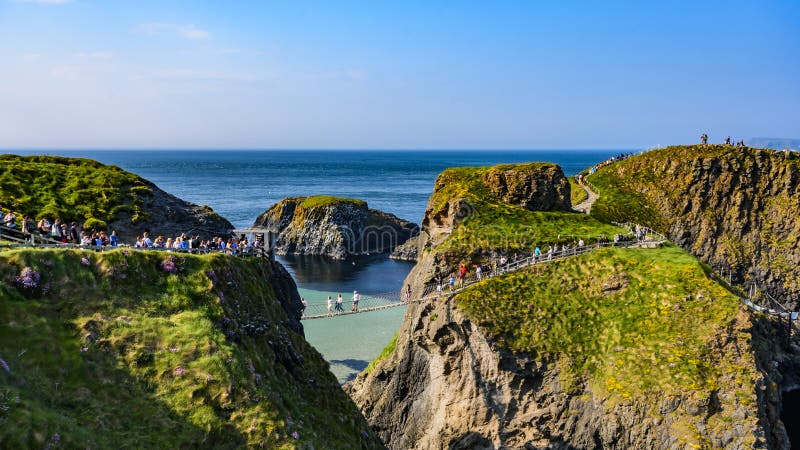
x=186, y=31
x=95, y=55
x=197, y=75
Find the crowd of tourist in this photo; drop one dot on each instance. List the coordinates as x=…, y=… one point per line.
x=59, y=231
x=612, y=160
x=728, y=141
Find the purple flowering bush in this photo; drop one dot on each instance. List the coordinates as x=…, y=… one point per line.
x=169, y=265
x=28, y=279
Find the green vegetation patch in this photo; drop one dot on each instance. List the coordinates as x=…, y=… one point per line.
x=492, y=223
x=628, y=321
x=152, y=350
x=577, y=193
x=319, y=201
x=388, y=350
x=72, y=189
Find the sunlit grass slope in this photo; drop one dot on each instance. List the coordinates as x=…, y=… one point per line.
x=137, y=350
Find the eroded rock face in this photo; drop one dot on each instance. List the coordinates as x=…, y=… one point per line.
x=536, y=187
x=336, y=229
x=170, y=216
x=447, y=385
x=541, y=189
x=738, y=211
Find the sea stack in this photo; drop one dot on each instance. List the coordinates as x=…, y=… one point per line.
x=334, y=227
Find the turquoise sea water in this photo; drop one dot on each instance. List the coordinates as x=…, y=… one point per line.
x=240, y=185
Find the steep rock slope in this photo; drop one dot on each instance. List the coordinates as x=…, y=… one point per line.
x=737, y=209
x=619, y=348
x=334, y=227
x=152, y=350
x=476, y=214
x=82, y=190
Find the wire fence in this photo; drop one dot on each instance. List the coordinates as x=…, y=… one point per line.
x=10, y=239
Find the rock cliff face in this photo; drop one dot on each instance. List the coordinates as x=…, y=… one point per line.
x=170, y=216
x=614, y=349
x=333, y=227
x=459, y=196
x=449, y=385
x=737, y=209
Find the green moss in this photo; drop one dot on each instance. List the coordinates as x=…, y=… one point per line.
x=577, y=193
x=491, y=223
x=72, y=189
x=319, y=201
x=629, y=322
x=121, y=353
x=388, y=350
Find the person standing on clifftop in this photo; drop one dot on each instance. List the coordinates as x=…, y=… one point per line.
x=704, y=139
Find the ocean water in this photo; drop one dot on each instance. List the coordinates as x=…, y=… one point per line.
x=240, y=185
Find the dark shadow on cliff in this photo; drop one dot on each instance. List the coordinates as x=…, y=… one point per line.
x=368, y=275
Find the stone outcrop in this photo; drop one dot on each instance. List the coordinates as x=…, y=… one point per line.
x=534, y=186
x=537, y=188
x=448, y=385
x=408, y=251
x=169, y=216
x=737, y=209
x=333, y=227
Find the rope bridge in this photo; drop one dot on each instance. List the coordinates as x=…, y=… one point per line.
x=434, y=291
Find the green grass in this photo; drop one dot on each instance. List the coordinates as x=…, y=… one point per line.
x=319, y=201
x=577, y=193
x=124, y=354
x=654, y=336
x=73, y=189
x=388, y=350
x=495, y=224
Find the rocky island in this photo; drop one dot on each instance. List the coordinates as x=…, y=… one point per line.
x=333, y=226
x=617, y=348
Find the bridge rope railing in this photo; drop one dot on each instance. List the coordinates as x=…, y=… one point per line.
x=12, y=240
x=437, y=290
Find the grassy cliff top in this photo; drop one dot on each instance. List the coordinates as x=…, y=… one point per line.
x=629, y=322
x=73, y=189
x=153, y=350
x=320, y=201
x=630, y=189
x=495, y=224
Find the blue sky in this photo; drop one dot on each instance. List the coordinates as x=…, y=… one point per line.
x=427, y=74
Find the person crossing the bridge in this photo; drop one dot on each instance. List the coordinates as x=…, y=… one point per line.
x=339, y=308
x=537, y=254
x=330, y=306
x=356, y=298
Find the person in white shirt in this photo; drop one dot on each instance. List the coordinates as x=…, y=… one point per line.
x=356, y=298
